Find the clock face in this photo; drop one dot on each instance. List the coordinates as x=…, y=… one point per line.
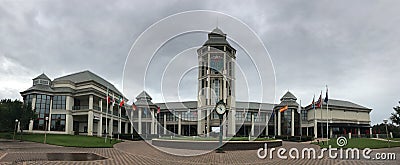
x=220, y=109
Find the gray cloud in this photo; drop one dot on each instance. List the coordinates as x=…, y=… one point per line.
x=352, y=46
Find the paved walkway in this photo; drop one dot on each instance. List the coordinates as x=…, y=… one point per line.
x=139, y=152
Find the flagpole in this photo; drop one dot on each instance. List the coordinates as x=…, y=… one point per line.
x=301, y=128
x=322, y=127
x=315, y=118
x=327, y=105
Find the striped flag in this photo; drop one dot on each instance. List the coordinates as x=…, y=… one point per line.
x=283, y=109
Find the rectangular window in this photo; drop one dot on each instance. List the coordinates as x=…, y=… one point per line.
x=42, y=110
x=57, y=122
x=59, y=102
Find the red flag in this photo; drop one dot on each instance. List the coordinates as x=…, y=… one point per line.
x=134, y=106
x=122, y=102
x=158, y=110
x=108, y=99
x=319, y=101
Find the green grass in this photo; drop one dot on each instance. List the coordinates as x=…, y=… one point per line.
x=396, y=139
x=64, y=140
x=196, y=138
x=361, y=143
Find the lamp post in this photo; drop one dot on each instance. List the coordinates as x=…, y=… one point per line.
x=15, y=128
x=45, y=130
x=387, y=135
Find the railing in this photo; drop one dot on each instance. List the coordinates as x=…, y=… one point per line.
x=80, y=107
x=96, y=107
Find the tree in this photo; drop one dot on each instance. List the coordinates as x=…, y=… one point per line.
x=11, y=110
x=396, y=115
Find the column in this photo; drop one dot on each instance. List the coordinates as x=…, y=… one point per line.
x=131, y=121
x=315, y=128
x=90, y=123
x=358, y=131
x=179, y=123
x=100, y=124
x=330, y=132
x=200, y=126
x=370, y=132
x=152, y=121
x=231, y=122
x=279, y=123
x=119, y=121
x=126, y=128
x=165, y=123
x=139, y=121
x=307, y=130
x=208, y=113
x=252, y=124
x=292, y=124
x=51, y=108
x=69, y=122
x=110, y=126
x=30, y=125
x=266, y=124
x=90, y=101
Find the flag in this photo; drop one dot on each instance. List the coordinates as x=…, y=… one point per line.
x=113, y=101
x=326, y=96
x=108, y=98
x=158, y=110
x=319, y=101
x=134, y=106
x=283, y=109
x=313, y=102
x=122, y=102
x=299, y=108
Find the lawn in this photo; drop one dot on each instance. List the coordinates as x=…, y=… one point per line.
x=196, y=138
x=64, y=140
x=361, y=143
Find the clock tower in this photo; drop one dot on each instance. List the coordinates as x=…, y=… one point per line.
x=216, y=81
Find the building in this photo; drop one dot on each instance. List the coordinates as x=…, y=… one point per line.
x=77, y=104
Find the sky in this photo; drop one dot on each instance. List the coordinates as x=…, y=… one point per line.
x=351, y=46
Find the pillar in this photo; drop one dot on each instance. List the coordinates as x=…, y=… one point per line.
x=307, y=130
x=152, y=122
x=119, y=121
x=231, y=122
x=179, y=123
x=330, y=132
x=279, y=123
x=30, y=125
x=110, y=126
x=266, y=124
x=208, y=115
x=200, y=125
x=126, y=128
x=358, y=131
x=292, y=124
x=139, y=121
x=100, y=124
x=90, y=123
x=50, y=110
x=165, y=123
x=252, y=124
x=370, y=132
x=90, y=101
x=315, y=128
x=131, y=121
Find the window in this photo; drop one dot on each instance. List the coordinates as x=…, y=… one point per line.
x=303, y=115
x=42, y=109
x=57, y=122
x=240, y=116
x=59, y=102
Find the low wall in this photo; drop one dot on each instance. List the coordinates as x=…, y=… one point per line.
x=212, y=145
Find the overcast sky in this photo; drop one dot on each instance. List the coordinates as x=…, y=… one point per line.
x=351, y=46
